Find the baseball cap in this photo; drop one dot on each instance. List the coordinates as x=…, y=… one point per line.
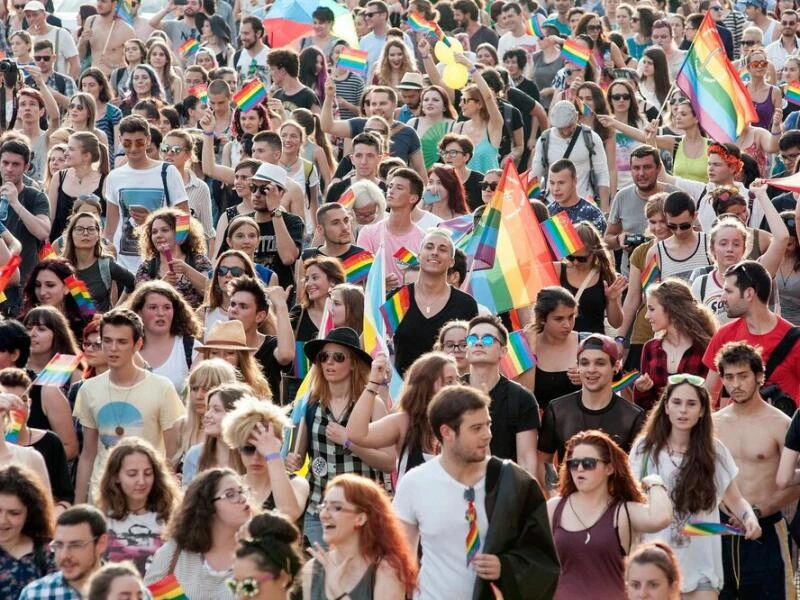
x=563, y=114
x=33, y=6
x=271, y=173
x=600, y=342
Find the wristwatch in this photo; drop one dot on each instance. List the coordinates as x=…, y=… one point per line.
x=278, y=212
x=652, y=481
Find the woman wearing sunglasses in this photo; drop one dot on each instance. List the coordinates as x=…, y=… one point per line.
x=436, y=116
x=598, y=512
x=621, y=98
x=765, y=96
x=340, y=371
x=230, y=265
x=255, y=429
x=320, y=275
x=677, y=444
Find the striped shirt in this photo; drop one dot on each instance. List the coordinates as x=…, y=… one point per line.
x=735, y=21
x=200, y=203
x=351, y=89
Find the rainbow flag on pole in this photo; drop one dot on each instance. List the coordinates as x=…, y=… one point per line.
x=125, y=11
x=406, y=257
x=81, y=295
x=561, y=235
x=348, y=199
x=519, y=357
x=419, y=23
x=181, y=228
x=719, y=98
x=200, y=91
x=534, y=187
x=353, y=60
x=16, y=421
x=792, y=93
x=651, y=274
x=395, y=308
x=6, y=271
x=356, y=267
x=251, y=94
x=626, y=381
x=700, y=528
x=583, y=108
x=576, y=53
x=47, y=252
x=189, y=47
x=58, y=371
x=167, y=588
x=301, y=364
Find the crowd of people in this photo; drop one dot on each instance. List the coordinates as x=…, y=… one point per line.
x=228, y=432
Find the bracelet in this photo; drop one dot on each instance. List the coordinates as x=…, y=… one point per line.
x=425, y=57
x=347, y=444
x=208, y=133
x=272, y=456
x=375, y=383
x=473, y=70
x=373, y=392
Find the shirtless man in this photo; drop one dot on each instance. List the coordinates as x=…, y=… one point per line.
x=754, y=432
x=104, y=36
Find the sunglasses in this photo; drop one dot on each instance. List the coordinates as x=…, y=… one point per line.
x=485, y=340
x=594, y=28
x=77, y=106
x=758, y=64
x=577, y=258
x=176, y=149
x=19, y=7
x=489, y=185
x=41, y=58
x=635, y=20
x=134, y=143
x=681, y=226
x=749, y=42
x=92, y=345
x=685, y=378
x=715, y=8
x=588, y=463
x=338, y=357
x=235, y=271
x=618, y=97
x=263, y=188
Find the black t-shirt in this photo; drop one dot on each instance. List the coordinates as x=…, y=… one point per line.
x=52, y=450
x=473, y=188
x=403, y=140
x=524, y=103
x=267, y=251
x=530, y=88
x=270, y=367
x=416, y=334
x=305, y=98
x=101, y=294
x=305, y=329
x=312, y=252
x=512, y=120
x=793, y=433
x=566, y=416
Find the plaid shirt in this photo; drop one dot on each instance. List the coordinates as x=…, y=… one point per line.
x=654, y=363
x=49, y=587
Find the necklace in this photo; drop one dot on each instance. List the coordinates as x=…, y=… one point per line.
x=577, y=516
x=120, y=406
x=784, y=278
x=671, y=453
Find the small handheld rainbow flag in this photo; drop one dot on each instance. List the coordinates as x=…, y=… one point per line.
x=583, y=108
x=535, y=26
x=81, y=295
x=419, y=23
x=58, y=371
x=561, y=235
x=348, y=198
x=575, y=53
x=395, y=308
x=125, y=11
x=301, y=365
x=626, y=381
x=441, y=36
x=353, y=60
x=200, y=91
x=251, y=94
x=534, y=187
x=519, y=357
x=47, y=252
x=189, y=47
x=6, y=271
x=16, y=421
x=167, y=588
x=651, y=273
x=701, y=528
x=793, y=92
x=181, y=228
x=406, y=257
x=356, y=267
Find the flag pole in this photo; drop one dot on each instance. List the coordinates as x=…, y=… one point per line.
x=666, y=100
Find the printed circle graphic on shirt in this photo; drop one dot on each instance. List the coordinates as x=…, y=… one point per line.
x=319, y=466
x=116, y=420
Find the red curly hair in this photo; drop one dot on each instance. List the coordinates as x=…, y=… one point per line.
x=382, y=536
x=621, y=483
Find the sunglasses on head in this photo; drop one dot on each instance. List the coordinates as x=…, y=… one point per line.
x=235, y=271
x=588, y=463
x=338, y=357
x=489, y=185
x=681, y=226
x=486, y=339
x=686, y=378
x=577, y=258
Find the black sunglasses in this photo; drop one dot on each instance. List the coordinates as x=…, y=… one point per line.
x=620, y=97
x=681, y=226
x=262, y=188
x=338, y=357
x=235, y=271
x=576, y=258
x=588, y=463
x=749, y=43
x=489, y=185
x=40, y=58
x=247, y=450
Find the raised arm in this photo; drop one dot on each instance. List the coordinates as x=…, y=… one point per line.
x=284, y=352
x=330, y=125
x=210, y=167
x=361, y=429
x=771, y=259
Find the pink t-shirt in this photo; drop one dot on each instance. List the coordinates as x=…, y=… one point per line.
x=371, y=236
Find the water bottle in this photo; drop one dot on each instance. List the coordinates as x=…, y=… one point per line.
x=3, y=207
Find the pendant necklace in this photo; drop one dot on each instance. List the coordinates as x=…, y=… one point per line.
x=119, y=429
x=577, y=516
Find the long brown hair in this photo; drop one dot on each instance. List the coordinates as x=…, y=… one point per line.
x=598, y=250
x=213, y=290
x=621, y=483
x=332, y=269
x=685, y=313
x=228, y=393
x=69, y=246
x=184, y=320
x=359, y=376
x=194, y=244
x=27, y=487
x=416, y=396
x=694, y=489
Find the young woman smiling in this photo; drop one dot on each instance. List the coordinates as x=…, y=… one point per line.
x=82, y=116
x=46, y=286
x=321, y=274
x=436, y=118
x=229, y=265
x=160, y=58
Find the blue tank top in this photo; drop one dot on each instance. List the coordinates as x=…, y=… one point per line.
x=484, y=157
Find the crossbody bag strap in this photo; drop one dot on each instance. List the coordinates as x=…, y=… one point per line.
x=584, y=285
x=574, y=140
x=781, y=351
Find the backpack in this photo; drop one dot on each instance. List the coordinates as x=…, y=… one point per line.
x=772, y=391
x=586, y=133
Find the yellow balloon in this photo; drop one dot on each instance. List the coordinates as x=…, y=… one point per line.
x=455, y=45
x=444, y=53
x=455, y=76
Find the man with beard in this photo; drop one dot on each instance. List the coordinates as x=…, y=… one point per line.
x=787, y=45
x=745, y=294
x=251, y=59
x=467, y=15
x=78, y=546
x=754, y=432
x=335, y=227
x=103, y=37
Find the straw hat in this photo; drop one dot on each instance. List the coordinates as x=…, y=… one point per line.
x=226, y=335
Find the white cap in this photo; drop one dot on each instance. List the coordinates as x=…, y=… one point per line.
x=563, y=114
x=33, y=6
x=270, y=172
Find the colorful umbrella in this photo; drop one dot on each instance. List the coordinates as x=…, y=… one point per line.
x=288, y=20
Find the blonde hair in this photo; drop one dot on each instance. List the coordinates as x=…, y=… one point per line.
x=208, y=374
x=729, y=222
x=249, y=411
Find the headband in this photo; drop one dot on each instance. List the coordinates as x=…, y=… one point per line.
x=734, y=163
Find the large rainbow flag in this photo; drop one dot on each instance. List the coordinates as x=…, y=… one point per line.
x=719, y=98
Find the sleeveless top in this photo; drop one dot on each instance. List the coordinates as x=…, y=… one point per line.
x=593, y=569
x=213, y=316
x=65, y=202
x=682, y=269
x=757, y=154
x=36, y=417
x=363, y=590
x=695, y=169
x=591, y=306
x=765, y=111
x=484, y=157
x=550, y=385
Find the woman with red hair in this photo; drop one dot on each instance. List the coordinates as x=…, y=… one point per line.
x=597, y=513
x=368, y=554
x=444, y=197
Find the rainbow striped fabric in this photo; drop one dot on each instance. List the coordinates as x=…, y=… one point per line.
x=720, y=100
x=406, y=257
x=473, y=541
x=651, y=273
x=16, y=419
x=701, y=528
x=518, y=357
x=356, y=267
x=535, y=26
x=189, y=47
x=419, y=23
x=47, y=252
x=81, y=295
x=301, y=364
x=348, y=199
x=575, y=52
x=167, y=588
x=583, y=108
x=534, y=187
x=395, y=308
x=6, y=271
x=58, y=371
x=125, y=11
x=181, y=228
x=625, y=381
x=200, y=91
x=353, y=60
x=561, y=235
x=792, y=93
x=251, y=94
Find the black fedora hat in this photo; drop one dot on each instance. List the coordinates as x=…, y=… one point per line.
x=344, y=336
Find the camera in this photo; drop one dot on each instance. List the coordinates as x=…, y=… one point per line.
x=9, y=72
x=632, y=240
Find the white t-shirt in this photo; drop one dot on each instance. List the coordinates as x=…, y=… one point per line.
x=528, y=43
x=128, y=187
x=427, y=221
x=428, y=497
x=63, y=46
x=253, y=66
x=174, y=368
x=711, y=297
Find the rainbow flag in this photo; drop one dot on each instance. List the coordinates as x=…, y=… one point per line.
x=47, y=252
x=523, y=264
x=181, y=228
x=534, y=26
x=583, y=108
x=534, y=187
x=395, y=308
x=441, y=36
x=125, y=11
x=561, y=235
x=719, y=98
x=576, y=53
x=16, y=421
x=481, y=246
x=701, y=528
x=353, y=60
x=348, y=199
x=189, y=47
x=167, y=588
x=301, y=364
x=519, y=357
x=406, y=257
x=81, y=295
x=6, y=271
x=419, y=23
x=626, y=381
x=251, y=94
x=458, y=227
x=357, y=267
x=58, y=371
x=651, y=274
x=200, y=91
x=792, y=93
